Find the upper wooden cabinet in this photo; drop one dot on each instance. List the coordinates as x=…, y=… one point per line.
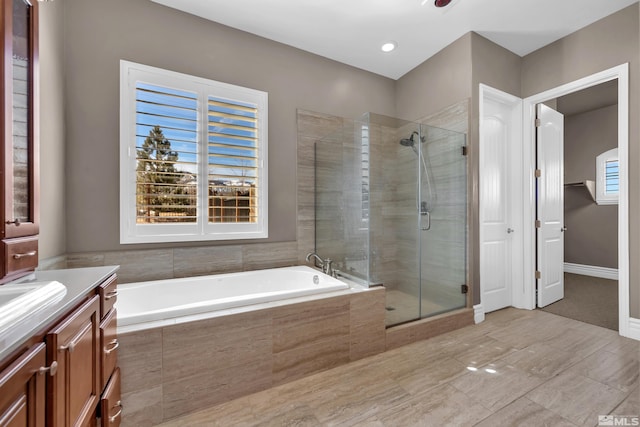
x=19, y=180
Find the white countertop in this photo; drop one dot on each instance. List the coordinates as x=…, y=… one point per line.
x=78, y=281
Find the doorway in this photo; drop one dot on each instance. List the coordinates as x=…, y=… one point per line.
x=590, y=223
x=524, y=290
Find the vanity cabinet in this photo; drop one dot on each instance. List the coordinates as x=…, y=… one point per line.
x=19, y=180
x=67, y=374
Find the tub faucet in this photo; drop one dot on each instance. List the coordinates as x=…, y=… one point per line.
x=325, y=264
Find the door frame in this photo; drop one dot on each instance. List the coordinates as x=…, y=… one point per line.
x=526, y=297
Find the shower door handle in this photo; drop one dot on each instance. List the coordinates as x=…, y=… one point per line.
x=427, y=216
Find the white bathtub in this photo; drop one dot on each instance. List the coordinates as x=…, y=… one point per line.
x=153, y=303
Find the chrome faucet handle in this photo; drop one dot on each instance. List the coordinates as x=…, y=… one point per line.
x=327, y=266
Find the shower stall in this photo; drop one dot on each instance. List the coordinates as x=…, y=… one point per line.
x=391, y=209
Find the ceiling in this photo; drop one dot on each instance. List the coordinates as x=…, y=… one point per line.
x=592, y=98
x=352, y=31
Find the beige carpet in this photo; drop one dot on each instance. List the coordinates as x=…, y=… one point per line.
x=588, y=299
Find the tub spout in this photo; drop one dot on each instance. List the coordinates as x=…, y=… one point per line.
x=316, y=256
x=325, y=264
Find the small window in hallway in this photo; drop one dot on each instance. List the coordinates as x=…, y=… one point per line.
x=607, y=177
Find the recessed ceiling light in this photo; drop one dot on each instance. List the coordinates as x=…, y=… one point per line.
x=389, y=46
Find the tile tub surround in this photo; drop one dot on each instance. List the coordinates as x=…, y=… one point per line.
x=174, y=370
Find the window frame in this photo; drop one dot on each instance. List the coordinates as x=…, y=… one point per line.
x=132, y=232
x=602, y=197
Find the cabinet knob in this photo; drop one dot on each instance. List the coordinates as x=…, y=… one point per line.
x=70, y=347
x=15, y=221
x=51, y=369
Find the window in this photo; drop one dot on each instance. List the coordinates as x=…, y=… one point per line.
x=607, y=178
x=193, y=158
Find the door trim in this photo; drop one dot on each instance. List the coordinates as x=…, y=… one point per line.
x=527, y=297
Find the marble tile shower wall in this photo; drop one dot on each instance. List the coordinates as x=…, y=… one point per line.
x=393, y=170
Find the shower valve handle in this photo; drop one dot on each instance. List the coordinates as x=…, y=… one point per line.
x=427, y=216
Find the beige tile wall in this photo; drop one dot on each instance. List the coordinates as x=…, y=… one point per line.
x=179, y=369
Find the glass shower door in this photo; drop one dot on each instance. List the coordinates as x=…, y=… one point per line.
x=442, y=225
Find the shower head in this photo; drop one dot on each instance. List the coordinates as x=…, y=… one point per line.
x=407, y=142
x=411, y=142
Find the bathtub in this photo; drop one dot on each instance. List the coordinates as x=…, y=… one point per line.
x=189, y=344
x=163, y=302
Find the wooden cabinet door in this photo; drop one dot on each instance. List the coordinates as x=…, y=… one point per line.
x=19, y=118
x=75, y=345
x=22, y=390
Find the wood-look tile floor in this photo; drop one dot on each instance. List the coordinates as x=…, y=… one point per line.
x=517, y=368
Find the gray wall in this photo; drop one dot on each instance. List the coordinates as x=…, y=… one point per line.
x=499, y=68
x=611, y=41
x=439, y=82
x=592, y=230
x=99, y=33
x=52, y=131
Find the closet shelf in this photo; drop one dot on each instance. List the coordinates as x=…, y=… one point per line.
x=588, y=184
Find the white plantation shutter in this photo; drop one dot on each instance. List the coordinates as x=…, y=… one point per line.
x=166, y=183
x=232, y=160
x=193, y=158
x=612, y=177
x=607, y=177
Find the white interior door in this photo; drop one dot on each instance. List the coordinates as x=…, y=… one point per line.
x=550, y=205
x=500, y=132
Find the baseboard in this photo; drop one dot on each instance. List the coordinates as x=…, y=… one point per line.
x=478, y=313
x=591, y=270
x=633, y=330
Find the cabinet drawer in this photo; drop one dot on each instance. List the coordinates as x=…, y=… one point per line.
x=109, y=346
x=21, y=255
x=108, y=292
x=110, y=404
